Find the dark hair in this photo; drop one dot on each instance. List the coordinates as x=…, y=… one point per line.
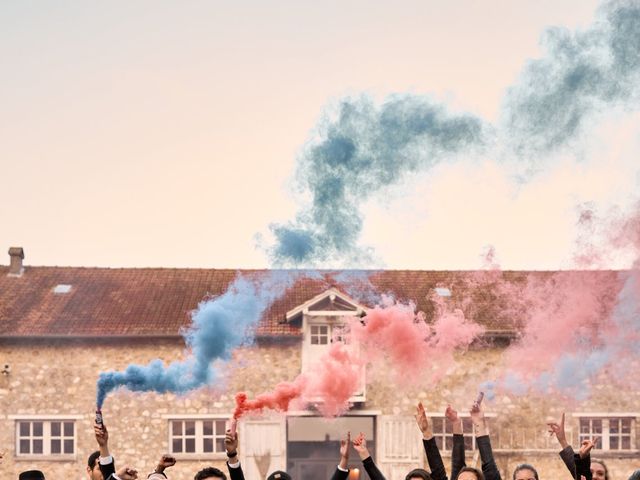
x=31, y=475
x=209, y=472
x=606, y=470
x=477, y=472
x=420, y=473
x=279, y=474
x=91, y=461
x=634, y=476
x=525, y=466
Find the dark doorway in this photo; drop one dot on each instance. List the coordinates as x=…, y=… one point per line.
x=313, y=445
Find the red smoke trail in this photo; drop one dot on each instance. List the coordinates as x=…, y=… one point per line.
x=333, y=380
x=279, y=399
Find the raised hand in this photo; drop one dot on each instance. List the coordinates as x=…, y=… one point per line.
x=587, y=446
x=423, y=422
x=102, y=437
x=477, y=417
x=360, y=445
x=456, y=422
x=344, y=451
x=165, y=462
x=558, y=430
x=127, y=473
x=231, y=441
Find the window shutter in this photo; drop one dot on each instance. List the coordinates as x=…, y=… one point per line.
x=262, y=447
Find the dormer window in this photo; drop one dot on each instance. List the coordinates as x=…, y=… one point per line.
x=323, y=319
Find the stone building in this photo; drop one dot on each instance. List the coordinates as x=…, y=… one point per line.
x=61, y=326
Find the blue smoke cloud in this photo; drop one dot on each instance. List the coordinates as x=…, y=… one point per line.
x=357, y=284
x=218, y=327
x=581, y=74
x=364, y=147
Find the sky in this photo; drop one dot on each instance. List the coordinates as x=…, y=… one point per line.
x=167, y=134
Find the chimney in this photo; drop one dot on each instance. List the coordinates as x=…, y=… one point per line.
x=17, y=255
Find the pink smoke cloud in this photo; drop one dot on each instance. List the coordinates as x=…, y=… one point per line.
x=394, y=332
x=578, y=325
x=409, y=344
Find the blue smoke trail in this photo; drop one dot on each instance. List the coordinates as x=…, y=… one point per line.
x=366, y=147
x=582, y=73
x=219, y=326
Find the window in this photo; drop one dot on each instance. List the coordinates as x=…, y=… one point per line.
x=197, y=435
x=613, y=433
x=319, y=334
x=443, y=433
x=45, y=437
x=326, y=334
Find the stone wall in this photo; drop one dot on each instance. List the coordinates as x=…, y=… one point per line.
x=50, y=378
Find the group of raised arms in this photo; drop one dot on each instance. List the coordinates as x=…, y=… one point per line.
x=101, y=464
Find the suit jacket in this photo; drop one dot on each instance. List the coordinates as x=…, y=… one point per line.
x=235, y=473
x=340, y=475
x=108, y=469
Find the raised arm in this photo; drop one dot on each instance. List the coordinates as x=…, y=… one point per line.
x=583, y=459
x=342, y=470
x=481, y=429
x=438, y=471
x=360, y=445
x=457, y=454
x=106, y=462
x=231, y=447
x=567, y=454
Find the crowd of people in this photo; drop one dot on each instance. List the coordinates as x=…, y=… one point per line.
x=580, y=465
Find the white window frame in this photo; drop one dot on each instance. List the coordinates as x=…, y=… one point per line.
x=317, y=335
x=46, y=421
x=604, y=443
x=199, y=435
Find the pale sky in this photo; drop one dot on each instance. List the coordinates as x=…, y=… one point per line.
x=155, y=133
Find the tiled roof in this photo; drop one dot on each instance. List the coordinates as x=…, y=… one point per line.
x=158, y=302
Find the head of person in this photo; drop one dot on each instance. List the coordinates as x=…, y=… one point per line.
x=93, y=466
x=31, y=475
x=210, y=473
x=418, y=474
x=470, y=473
x=525, y=472
x=279, y=475
x=599, y=470
x=635, y=475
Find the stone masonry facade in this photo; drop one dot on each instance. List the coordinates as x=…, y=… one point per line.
x=58, y=378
